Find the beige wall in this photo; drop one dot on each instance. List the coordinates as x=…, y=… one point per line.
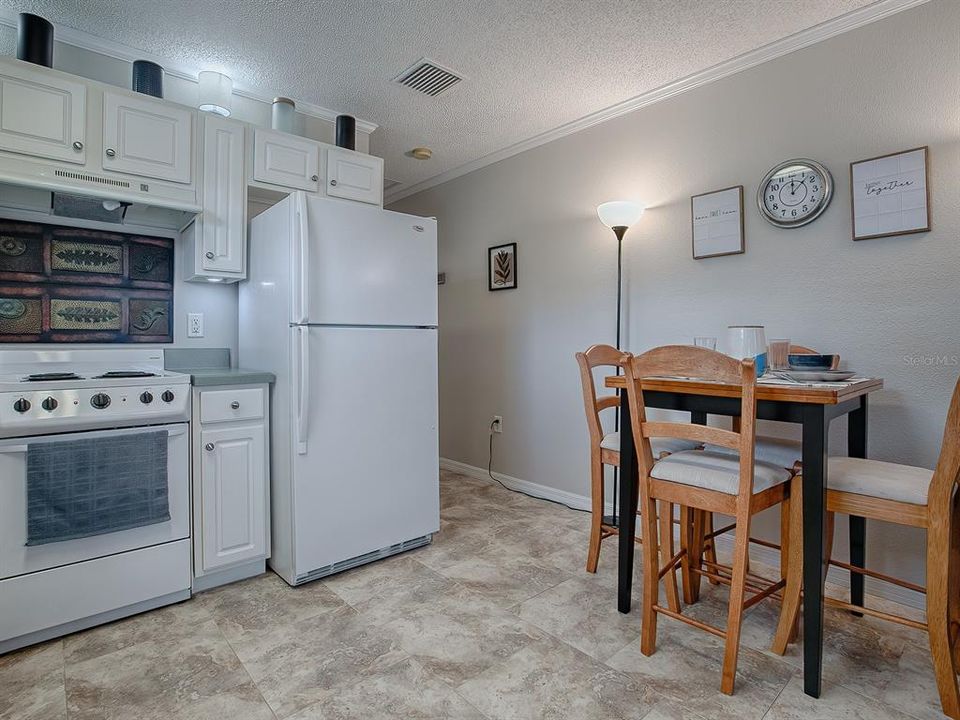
x=889, y=306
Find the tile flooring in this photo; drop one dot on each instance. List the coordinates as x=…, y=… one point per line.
x=495, y=620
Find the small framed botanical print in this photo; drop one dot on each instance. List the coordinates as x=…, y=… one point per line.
x=502, y=267
x=717, y=223
x=889, y=195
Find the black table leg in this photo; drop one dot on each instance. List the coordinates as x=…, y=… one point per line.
x=627, y=522
x=857, y=447
x=814, y=531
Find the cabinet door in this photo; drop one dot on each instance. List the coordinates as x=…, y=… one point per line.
x=354, y=176
x=281, y=159
x=233, y=495
x=42, y=114
x=224, y=220
x=147, y=138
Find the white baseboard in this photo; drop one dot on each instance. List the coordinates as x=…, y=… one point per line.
x=762, y=554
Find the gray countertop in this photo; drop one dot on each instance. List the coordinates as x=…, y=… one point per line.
x=201, y=377
x=211, y=366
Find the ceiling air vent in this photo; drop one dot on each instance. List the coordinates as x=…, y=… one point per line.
x=428, y=77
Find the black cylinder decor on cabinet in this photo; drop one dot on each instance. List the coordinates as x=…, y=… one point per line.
x=34, y=40
x=346, y=132
x=147, y=78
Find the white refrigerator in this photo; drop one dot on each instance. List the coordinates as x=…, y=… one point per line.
x=340, y=303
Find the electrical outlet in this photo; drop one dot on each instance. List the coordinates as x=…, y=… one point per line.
x=497, y=424
x=195, y=325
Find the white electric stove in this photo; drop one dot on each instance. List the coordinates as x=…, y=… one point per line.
x=70, y=396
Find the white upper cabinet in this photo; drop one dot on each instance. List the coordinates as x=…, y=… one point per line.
x=286, y=160
x=224, y=188
x=354, y=176
x=42, y=114
x=147, y=137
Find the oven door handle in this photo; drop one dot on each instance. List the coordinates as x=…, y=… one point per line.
x=171, y=432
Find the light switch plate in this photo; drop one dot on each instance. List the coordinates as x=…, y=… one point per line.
x=195, y=325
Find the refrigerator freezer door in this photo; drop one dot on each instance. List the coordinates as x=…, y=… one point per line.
x=369, y=477
x=366, y=266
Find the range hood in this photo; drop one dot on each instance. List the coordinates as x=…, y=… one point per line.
x=89, y=208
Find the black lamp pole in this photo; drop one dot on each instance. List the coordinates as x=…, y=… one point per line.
x=619, y=231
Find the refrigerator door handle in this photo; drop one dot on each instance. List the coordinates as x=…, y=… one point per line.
x=304, y=252
x=303, y=389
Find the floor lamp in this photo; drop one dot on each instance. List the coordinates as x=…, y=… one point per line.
x=618, y=215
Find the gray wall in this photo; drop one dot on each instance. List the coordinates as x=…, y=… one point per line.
x=889, y=306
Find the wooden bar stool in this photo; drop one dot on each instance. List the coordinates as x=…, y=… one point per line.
x=911, y=496
x=605, y=447
x=697, y=481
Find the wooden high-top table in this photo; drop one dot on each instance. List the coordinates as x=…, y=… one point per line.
x=811, y=407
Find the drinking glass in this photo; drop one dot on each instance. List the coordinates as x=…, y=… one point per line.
x=706, y=342
x=779, y=351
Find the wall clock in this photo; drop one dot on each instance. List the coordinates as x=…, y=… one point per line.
x=794, y=193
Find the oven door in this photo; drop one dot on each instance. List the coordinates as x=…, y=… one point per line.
x=18, y=559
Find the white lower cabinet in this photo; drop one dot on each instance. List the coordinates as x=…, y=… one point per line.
x=230, y=484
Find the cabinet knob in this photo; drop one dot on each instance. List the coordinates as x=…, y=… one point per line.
x=110, y=152
x=210, y=255
x=333, y=183
x=77, y=145
x=235, y=405
x=208, y=447
x=314, y=177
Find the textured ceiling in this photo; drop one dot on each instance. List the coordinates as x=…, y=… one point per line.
x=529, y=66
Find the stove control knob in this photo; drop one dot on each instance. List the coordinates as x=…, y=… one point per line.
x=100, y=401
x=21, y=405
x=146, y=398
x=167, y=396
x=49, y=404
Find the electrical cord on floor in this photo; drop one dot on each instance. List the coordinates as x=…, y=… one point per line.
x=520, y=492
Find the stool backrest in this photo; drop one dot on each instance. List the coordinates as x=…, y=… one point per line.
x=596, y=356
x=701, y=363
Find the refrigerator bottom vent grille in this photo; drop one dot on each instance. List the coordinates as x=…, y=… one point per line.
x=364, y=559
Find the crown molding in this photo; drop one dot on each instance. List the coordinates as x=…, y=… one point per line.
x=805, y=38
x=119, y=51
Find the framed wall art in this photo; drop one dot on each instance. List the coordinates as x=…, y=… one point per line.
x=717, y=223
x=502, y=267
x=69, y=285
x=890, y=195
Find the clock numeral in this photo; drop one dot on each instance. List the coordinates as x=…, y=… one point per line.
x=804, y=208
x=776, y=207
x=776, y=187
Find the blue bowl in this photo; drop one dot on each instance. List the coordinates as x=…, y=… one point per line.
x=812, y=362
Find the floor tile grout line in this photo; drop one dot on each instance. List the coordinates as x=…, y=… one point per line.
x=246, y=670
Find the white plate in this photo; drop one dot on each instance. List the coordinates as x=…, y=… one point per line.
x=818, y=375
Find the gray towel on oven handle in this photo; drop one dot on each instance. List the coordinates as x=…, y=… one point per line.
x=83, y=487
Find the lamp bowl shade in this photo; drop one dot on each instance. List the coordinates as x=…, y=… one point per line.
x=215, y=93
x=619, y=213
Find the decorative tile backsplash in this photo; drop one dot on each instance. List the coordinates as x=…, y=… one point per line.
x=63, y=284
